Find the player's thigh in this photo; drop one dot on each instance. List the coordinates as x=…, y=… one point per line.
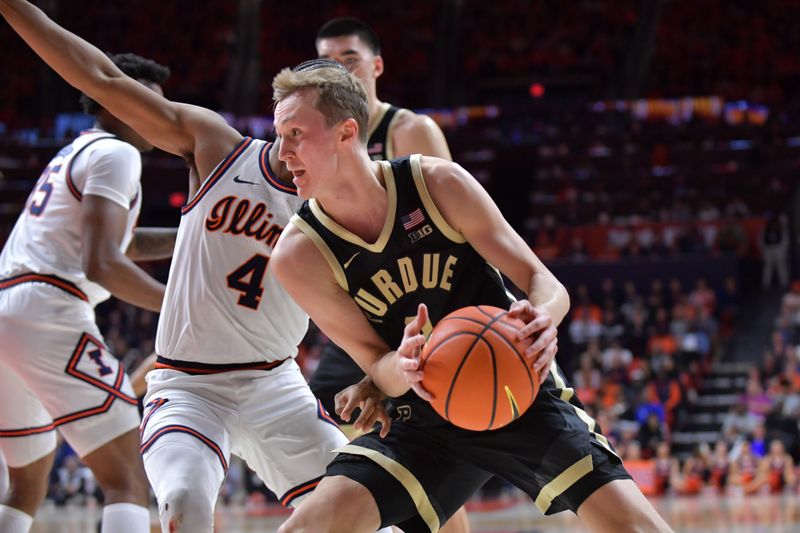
x=285, y=436
x=417, y=482
x=26, y=429
x=185, y=415
x=620, y=506
x=63, y=361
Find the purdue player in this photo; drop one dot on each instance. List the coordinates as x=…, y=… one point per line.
x=374, y=244
x=392, y=132
x=66, y=254
x=226, y=380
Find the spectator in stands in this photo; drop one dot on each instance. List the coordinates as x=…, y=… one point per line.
x=651, y=433
x=667, y=469
x=720, y=465
x=75, y=482
x=744, y=467
x=695, y=471
x=732, y=239
x=775, y=470
x=758, y=440
x=757, y=401
x=616, y=357
x=702, y=297
x=774, y=242
x=587, y=379
x=739, y=422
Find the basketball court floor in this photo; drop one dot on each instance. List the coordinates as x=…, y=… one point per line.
x=705, y=514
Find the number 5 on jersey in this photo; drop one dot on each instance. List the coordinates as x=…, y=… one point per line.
x=248, y=280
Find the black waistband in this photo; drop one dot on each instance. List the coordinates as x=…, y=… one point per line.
x=197, y=369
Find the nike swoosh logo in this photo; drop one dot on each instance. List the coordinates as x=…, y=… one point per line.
x=237, y=180
x=347, y=264
x=513, y=402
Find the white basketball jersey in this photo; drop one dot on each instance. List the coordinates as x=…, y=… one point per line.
x=46, y=239
x=223, y=305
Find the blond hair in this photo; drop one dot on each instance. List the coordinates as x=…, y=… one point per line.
x=340, y=95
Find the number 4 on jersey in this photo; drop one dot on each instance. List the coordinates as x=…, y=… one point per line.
x=248, y=280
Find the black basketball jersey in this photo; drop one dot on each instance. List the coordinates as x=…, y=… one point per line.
x=379, y=144
x=418, y=258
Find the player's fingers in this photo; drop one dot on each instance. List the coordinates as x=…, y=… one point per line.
x=409, y=364
x=537, y=324
x=520, y=308
x=410, y=345
x=422, y=393
x=385, y=421
x=349, y=406
x=362, y=423
x=414, y=376
x=544, y=339
x=542, y=365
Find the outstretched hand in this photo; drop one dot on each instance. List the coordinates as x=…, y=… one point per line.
x=408, y=352
x=366, y=396
x=540, y=331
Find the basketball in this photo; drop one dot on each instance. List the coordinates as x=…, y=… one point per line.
x=476, y=369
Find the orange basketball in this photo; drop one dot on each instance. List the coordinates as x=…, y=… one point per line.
x=476, y=369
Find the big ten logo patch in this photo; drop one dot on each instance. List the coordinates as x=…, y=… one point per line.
x=421, y=233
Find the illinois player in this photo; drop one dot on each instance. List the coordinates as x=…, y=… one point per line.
x=225, y=380
x=66, y=254
x=393, y=132
x=361, y=264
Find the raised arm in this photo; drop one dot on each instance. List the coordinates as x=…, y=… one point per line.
x=179, y=129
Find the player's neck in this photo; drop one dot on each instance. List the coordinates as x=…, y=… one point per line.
x=375, y=112
x=358, y=201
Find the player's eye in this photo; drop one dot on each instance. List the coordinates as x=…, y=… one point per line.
x=295, y=132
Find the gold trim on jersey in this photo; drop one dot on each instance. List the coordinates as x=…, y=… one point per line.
x=324, y=249
x=389, y=136
x=388, y=224
x=385, y=106
x=562, y=482
x=405, y=477
x=427, y=201
x=566, y=394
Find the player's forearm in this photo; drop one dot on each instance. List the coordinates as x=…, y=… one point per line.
x=81, y=64
x=547, y=292
x=121, y=277
x=150, y=244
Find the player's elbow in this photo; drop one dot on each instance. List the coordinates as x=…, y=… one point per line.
x=99, y=267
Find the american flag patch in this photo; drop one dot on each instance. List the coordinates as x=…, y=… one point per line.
x=414, y=218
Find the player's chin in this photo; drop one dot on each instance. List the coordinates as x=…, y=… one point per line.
x=303, y=190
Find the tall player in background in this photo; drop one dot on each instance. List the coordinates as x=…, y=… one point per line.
x=67, y=253
x=226, y=380
x=393, y=132
x=361, y=266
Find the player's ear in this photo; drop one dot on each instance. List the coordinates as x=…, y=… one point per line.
x=348, y=130
x=378, y=66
